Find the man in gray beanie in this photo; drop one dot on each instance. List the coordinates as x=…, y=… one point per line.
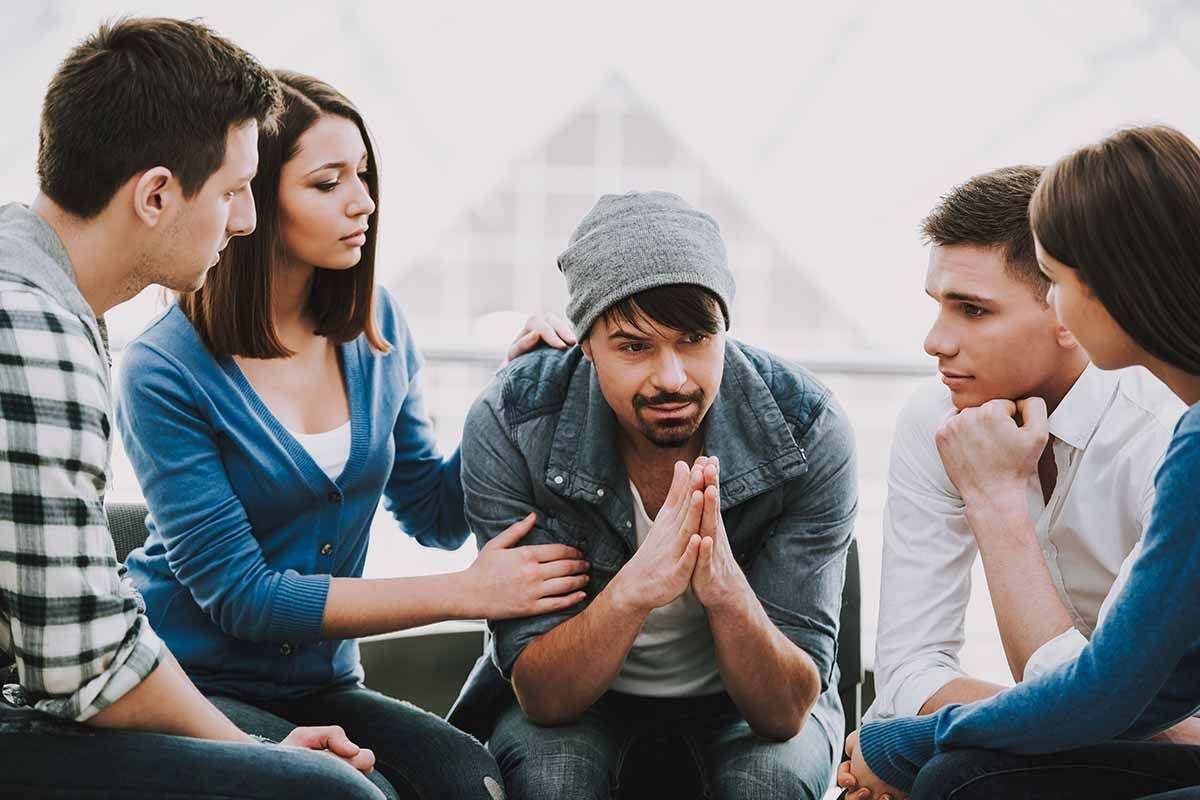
x=711, y=487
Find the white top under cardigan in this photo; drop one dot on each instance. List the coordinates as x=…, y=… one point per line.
x=330, y=450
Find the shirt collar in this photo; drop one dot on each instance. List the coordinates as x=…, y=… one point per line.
x=53, y=273
x=744, y=428
x=1078, y=415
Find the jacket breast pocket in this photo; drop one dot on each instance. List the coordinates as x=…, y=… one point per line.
x=597, y=543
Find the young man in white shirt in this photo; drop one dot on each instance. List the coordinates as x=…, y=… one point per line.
x=1003, y=356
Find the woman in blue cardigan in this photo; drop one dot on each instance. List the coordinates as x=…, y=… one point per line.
x=266, y=414
x=1117, y=228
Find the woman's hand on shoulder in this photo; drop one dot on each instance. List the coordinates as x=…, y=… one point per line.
x=548, y=328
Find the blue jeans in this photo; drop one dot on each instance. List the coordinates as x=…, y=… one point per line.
x=42, y=757
x=418, y=755
x=1118, y=770
x=583, y=760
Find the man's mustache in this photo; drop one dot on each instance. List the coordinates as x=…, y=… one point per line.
x=667, y=398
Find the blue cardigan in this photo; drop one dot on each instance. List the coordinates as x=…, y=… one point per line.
x=1139, y=674
x=245, y=528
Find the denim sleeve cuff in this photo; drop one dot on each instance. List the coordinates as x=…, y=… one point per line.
x=512, y=636
x=298, y=609
x=821, y=648
x=896, y=750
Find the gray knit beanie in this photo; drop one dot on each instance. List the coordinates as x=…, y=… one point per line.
x=636, y=241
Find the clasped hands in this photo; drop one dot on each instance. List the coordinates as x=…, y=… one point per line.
x=687, y=546
x=859, y=782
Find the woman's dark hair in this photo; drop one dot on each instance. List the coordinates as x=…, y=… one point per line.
x=1125, y=213
x=232, y=311
x=142, y=93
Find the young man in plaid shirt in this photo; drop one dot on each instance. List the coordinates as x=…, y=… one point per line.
x=148, y=143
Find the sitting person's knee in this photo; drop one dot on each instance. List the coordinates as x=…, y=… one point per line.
x=552, y=767
x=760, y=777
x=950, y=770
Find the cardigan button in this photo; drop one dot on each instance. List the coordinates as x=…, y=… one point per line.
x=326, y=549
x=285, y=649
x=335, y=497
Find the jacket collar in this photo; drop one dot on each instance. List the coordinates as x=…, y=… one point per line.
x=745, y=428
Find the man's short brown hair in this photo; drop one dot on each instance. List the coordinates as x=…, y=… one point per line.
x=142, y=93
x=992, y=211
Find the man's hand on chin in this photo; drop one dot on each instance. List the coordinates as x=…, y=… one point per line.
x=987, y=454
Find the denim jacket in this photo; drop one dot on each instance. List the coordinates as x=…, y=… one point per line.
x=543, y=438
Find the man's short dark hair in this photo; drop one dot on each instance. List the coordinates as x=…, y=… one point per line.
x=683, y=307
x=141, y=93
x=992, y=210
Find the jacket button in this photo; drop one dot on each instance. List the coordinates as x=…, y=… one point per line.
x=335, y=497
x=558, y=479
x=326, y=549
x=285, y=649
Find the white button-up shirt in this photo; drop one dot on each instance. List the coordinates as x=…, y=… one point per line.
x=1109, y=434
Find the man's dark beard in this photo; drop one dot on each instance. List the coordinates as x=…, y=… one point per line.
x=674, y=433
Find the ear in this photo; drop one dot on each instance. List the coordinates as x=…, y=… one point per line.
x=1066, y=340
x=155, y=191
x=586, y=347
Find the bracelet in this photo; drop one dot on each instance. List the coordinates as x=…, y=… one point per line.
x=262, y=739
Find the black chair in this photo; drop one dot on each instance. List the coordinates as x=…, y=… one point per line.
x=127, y=526
x=641, y=774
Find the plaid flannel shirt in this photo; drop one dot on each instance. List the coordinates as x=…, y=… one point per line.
x=75, y=629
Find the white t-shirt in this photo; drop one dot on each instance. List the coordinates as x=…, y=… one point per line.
x=674, y=655
x=330, y=450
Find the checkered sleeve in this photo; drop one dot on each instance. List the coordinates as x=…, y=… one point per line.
x=76, y=631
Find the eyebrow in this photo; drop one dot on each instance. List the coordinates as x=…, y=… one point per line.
x=339, y=165
x=962, y=297
x=624, y=334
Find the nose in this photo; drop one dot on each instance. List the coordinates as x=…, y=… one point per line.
x=243, y=217
x=361, y=204
x=669, y=374
x=940, y=342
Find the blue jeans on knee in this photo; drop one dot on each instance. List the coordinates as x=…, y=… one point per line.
x=1119, y=770
x=583, y=760
x=42, y=757
x=417, y=755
